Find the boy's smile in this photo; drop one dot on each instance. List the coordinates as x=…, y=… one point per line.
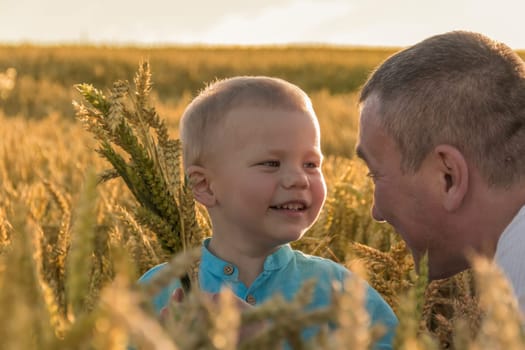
x=292, y=205
x=295, y=208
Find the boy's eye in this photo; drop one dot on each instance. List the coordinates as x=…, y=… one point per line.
x=271, y=163
x=311, y=165
x=371, y=175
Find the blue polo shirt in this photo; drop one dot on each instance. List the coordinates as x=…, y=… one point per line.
x=284, y=272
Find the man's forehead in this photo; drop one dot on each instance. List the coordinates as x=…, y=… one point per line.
x=368, y=120
x=372, y=137
x=370, y=106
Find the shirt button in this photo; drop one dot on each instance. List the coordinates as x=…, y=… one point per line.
x=250, y=299
x=228, y=270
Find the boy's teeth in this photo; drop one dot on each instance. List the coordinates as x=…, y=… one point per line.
x=291, y=206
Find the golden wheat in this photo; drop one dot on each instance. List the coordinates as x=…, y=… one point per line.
x=69, y=258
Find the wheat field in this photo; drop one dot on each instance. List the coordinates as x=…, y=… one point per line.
x=79, y=221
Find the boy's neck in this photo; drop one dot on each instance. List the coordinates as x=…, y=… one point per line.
x=249, y=261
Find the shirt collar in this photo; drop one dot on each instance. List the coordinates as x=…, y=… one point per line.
x=211, y=263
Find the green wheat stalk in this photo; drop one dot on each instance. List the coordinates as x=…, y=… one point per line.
x=135, y=141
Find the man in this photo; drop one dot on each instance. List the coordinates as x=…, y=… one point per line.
x=442, y=131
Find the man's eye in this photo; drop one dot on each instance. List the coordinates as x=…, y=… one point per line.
x=271, y=163
x=371, y=175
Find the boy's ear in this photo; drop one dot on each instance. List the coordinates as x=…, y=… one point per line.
x=199, y=182
x=455, y=176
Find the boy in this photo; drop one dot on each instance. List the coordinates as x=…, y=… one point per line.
x=251, y=150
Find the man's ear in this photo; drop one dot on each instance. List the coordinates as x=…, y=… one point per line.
x=198, y=177
x=455, y=176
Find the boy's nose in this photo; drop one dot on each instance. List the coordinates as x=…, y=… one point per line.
x=295, y=178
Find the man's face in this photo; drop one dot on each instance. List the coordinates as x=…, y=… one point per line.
x=409, y=201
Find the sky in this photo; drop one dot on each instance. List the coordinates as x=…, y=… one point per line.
x=264, y=22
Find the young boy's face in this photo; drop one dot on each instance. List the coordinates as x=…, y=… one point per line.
x=266, y=176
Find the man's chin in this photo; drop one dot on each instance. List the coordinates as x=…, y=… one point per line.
x=442, y=272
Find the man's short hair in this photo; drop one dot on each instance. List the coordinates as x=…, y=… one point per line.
x=458, y=88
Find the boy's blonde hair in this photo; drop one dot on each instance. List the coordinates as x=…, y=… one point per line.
x=208, y=111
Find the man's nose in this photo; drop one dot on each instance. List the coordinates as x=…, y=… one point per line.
x=376, y=214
